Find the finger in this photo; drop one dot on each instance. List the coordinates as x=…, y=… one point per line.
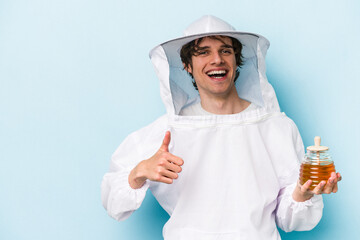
x=165, y=144
x=333, y=178
x=162, y=176
x=330, y=184
x=339, y=177
x=306, y=186
x=175, y=159
x=164, y=180
x=335, y=189
x=170, y=174
x=328, y=188
x=173, y=167
x=318, y=189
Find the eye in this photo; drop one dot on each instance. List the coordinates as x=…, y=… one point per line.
x=227, y=51
x=202, y=52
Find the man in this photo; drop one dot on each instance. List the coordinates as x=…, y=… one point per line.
x=228, y=165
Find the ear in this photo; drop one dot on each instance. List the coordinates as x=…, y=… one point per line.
x=187, y=68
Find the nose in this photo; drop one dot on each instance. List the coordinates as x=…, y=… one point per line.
x=217, y=58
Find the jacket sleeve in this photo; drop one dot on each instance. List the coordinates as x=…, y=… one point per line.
x=292, y=215
x=297, y=216
x=118, y=198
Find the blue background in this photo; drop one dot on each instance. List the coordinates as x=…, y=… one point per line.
x=75, y=80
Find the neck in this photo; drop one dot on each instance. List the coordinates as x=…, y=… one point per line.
x=228, y=104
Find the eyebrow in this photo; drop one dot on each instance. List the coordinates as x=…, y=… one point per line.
x=227, y=46
x=202, y=48
x=222, y=46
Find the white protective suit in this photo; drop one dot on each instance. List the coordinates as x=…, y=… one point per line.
x=239, y=170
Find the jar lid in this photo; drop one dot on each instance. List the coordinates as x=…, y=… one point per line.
x=317, y=147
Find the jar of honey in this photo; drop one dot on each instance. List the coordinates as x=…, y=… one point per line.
x=317, y=164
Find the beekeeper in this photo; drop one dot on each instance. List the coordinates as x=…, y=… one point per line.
x=224, y=161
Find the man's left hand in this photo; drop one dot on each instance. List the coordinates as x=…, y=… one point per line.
x=303, y=192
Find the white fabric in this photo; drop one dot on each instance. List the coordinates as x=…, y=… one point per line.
x=196, y=109
x=239, y=170
x=208, y=24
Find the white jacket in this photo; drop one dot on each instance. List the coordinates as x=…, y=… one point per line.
x=239, y=170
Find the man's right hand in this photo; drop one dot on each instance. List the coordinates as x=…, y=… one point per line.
x=161, y=167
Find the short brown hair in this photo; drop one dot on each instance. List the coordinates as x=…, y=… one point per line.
x=190, y=49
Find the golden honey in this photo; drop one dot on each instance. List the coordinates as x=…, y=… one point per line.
x=316, y=172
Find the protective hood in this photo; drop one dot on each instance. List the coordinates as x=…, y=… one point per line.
x=176, y=87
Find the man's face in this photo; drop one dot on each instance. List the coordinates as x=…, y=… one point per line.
x=214, y=66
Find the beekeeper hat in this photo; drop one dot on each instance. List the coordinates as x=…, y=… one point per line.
x=209, y=25
x=176, y=85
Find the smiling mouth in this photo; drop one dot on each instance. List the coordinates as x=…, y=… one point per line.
x=219, y=74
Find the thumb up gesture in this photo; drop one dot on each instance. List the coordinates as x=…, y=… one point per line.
x=161, y=167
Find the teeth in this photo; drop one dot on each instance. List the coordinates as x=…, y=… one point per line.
x=216, y=72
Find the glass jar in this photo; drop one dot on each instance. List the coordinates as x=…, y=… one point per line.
x=317, y=164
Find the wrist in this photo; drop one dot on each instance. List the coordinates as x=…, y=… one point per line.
x=136, y=178
x=299, y=196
